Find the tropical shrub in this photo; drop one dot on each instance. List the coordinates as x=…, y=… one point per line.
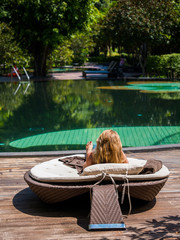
x=167, y=65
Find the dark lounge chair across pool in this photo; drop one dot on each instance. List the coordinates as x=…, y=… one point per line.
x=110, y=72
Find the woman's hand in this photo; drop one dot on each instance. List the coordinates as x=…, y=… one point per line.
x=89, y=147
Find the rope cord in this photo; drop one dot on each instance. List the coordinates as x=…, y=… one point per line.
x=126, y=183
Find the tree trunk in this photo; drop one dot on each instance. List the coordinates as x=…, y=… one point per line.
x=40, y=59
x=143, y=58
x=109, y=49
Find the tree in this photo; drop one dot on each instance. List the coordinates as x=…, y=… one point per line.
x=175, y=30
x=9, y=51
x=139, y=24
x=38, y=25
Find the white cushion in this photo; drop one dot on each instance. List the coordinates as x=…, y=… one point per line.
x=134, y=166
x=56, y=171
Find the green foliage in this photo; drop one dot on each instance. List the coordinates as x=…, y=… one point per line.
x=130, y=23
x=81, y=45
x=165, y=65
x=39, y=25
x=104, y=5
x=139, y=26
x=10, y=53
x=62, y=55
x=43, y=21
x=130, y=59
x=48, y=30
x=75, y=49
x=142, y=22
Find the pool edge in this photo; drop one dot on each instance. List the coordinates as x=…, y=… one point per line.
x=69, y=152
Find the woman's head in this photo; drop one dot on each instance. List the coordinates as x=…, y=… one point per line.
x=108, y=149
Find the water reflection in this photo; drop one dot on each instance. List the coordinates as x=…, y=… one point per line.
x=64, y=105
x=148, y=87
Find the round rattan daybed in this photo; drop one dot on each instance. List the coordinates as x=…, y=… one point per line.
x=53, y=182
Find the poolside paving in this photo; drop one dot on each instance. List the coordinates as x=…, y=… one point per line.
x=56, y=76
x=78, y=76
x=74, y=75
x=67, y=76
x=24, y=216
x=71, y=75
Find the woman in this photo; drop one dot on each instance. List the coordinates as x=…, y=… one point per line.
x=108, y=150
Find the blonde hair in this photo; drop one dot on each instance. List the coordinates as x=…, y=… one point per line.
x=108, y=149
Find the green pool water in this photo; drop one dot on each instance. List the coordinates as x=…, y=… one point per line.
x=65, y=115
x=149, y=87
x=131, y=137
x=156, y=87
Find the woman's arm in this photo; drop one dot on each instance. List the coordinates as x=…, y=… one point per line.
x=89, y=157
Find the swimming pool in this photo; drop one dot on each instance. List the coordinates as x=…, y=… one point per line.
x=149, y=87
x=64, y=115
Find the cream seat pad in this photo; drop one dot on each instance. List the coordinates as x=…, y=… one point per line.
x=56, y=171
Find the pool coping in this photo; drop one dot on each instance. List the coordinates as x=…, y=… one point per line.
x=77, y=75
x=69, y=152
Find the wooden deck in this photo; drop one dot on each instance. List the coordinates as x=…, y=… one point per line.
x=24, y=216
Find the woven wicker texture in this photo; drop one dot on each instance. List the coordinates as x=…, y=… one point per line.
x=52, y=193
x=146, y=190
x=105, y=208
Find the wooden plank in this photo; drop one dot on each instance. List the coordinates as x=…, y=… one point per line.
x=24, y=216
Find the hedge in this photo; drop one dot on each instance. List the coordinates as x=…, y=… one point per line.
x=164, y=65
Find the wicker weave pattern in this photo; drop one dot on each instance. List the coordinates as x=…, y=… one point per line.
x=52, y=193
x=146, y=190
x=105, y=208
